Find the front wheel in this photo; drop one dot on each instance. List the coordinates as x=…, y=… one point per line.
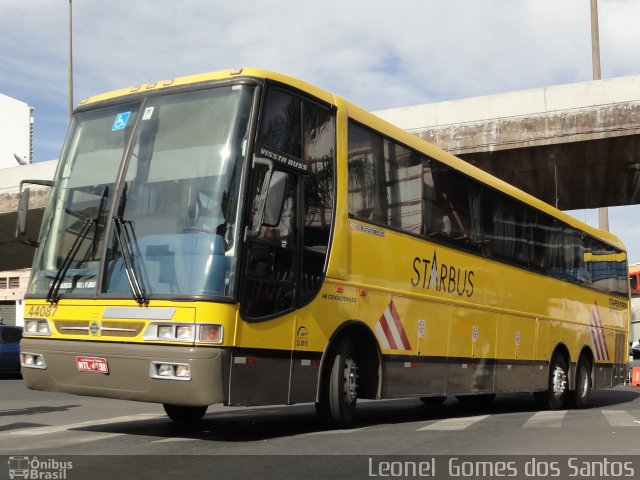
x=579, y=398
x=184, y=414
x=555, y=397
x=339, y=394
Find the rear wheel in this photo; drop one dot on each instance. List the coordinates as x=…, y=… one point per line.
x=555, y=397
x=339, y=394
x=184, y=414
x=579, y=398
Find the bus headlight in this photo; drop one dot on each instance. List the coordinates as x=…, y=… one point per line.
x=32, y=360
x=170, y=371
x=210, y=333
x=36, y=326
x=165, y=332
x=184, y=332
x=181, y=332
x=165, y=370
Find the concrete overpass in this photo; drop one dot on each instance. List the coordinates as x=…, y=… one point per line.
x=574, y=146
x=13, y=254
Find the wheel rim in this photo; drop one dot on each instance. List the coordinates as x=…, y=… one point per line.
x=558, y=382
x=351, y=380
x=584, y=387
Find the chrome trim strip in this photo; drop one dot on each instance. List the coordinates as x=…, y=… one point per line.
x=139, y=313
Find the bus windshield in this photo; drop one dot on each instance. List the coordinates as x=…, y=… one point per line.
x=158, y=181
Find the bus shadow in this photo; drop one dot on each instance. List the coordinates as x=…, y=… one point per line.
x=265, y=423
x=35, y=410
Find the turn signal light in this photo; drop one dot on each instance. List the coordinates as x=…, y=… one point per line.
x=210, y=333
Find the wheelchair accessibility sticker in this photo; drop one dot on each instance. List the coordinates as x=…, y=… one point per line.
x=120, y=121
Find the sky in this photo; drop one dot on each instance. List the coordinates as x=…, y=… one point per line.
x=377, y=54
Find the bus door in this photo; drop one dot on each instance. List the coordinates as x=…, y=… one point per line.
x=286, y=242
x=261, y=363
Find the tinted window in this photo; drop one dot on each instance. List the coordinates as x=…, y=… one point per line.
x=318, y=145
x=286, y=263
x=574, y=257
x=282, y=123
x=392, y=185
x=546, y=245
x=403, y=170
x=505, y=228
x=606, y=267
x=458, y=199
x=367, y=194
x=271, y=260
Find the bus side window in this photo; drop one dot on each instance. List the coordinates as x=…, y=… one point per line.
x=367, y=195
x=506, y=232
x=455, y=213
x=546, y=245
x=404, y=190
x=434, y=219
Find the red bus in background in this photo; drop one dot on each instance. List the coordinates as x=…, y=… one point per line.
x=634, y=279
x=634, y=328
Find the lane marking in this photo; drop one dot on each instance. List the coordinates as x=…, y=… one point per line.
x=452, y=424
x=91, y=423
x=546, y=419
x=175, y=439
x=331, y=432
x=34, y=445
x=620, y=418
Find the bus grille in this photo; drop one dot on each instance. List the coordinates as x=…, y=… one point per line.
x=107, y=328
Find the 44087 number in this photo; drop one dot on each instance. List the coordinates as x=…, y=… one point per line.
x=42, y=310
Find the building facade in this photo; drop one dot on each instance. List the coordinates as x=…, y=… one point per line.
x=16, y=132
x=13, y=285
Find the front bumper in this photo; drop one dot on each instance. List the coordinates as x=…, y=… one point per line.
x=129, y=371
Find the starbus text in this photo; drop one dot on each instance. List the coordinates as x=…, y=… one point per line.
x=429, y=274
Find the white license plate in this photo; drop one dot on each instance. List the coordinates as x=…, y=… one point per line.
x=92, y=364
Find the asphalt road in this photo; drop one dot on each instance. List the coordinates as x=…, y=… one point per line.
x=116, y=437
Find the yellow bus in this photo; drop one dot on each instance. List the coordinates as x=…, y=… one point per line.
x=245, y=238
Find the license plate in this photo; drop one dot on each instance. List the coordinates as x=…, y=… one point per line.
x=92, y=364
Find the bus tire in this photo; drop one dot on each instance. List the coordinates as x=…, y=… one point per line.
x=432, y=401
x=184, y=414
x=579, y=398
x=339, y=394
x=555, y=396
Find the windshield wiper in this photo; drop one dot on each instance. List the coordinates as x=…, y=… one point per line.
x=52, y=295
x=103, y=201
x=126, y=237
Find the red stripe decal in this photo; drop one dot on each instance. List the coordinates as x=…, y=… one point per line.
x=387, y=332
x=396, y=319
x=602, y=335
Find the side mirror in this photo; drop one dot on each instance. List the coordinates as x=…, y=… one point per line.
x=23, y=210
x=269, y=188
x=275, y=199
